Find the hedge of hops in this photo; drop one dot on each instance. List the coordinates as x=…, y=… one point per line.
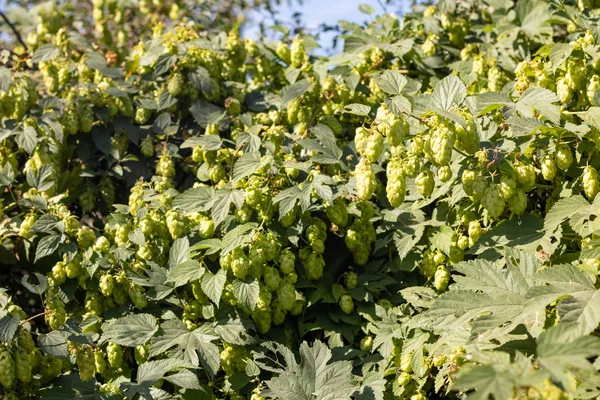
x=198, y=214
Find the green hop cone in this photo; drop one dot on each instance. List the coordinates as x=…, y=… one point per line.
x=346, y=303
x=563, y=157
x=100, y=362
x=549, y=168
x=85, y=363
x=22, y=365
x=425, y=183
x=507, y=186
x=366, y=343
x=351, y=280
x=444, y=173
x=493, y=201
x=176, y=84
x=441, y=279
x=441, y=143
x=7, y=367
x=365, y=180
x=518, y=202
x=141, y=354
x=591, y=183
x=114, y=354
x=25, y=340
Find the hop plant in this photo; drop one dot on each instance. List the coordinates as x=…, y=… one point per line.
x=85, y=363
x=7, y=368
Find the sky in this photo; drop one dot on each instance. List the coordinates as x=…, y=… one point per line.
x=317, y=12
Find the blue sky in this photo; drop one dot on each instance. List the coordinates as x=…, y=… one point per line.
x=316, y=12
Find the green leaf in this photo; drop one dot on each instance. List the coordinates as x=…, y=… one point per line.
x=579, y=299
x=314, y=378
x=357, y=109
x=565, y=209
x=53, y=343
x=391, y=82
x=487, y=102
x=185, y=272
x=151, y=371
x=448, y=93
x=38, y=288
x=248, y=164
x=560, y=350
x=207, y=142
x=27, y=139
x=293, y=92
x=185, y=379
x=539, y=99
x=179, y=252
x=47, y=223
x=195, y=199
x=246, y=292
x=4, y=79
x=222, y=202
x=131, y=330
x=8, y=327
x=195, y=347
x=237, y=237
x=419, y=296
x=46, y=52
x=559, y=54
x=47, y=246
x=366, y=9
x=287, y=200
x=486, y=380
x=213, y=284
x=534, y=16
x=41, y=179
x=442, y=239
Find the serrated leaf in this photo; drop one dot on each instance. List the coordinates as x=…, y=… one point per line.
x=294, y=91
x=248, y=164
x=213, y=284
x=47, y=246
x=287, y=200
x=179, y=252
x=46, y=52
x=185, y=272
x=391, y=82
x=152, y=371
x=559, y=54
x=195, y=199
x=37, y=288
x=195, y=347
x=5, y=75
x=8, y=327
x=207, y=142
x=246, y=292
x=539, y=99
x=131, y=330
x=27, y=139
x=448, y=93
x=185, y=379
x=237, y=237
x=442, y=239
x=314, y=378
x=53, y=343
x=47, y=223
x=357, y=109
x=486, y=380
x=41, y=178
x=222, y=202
